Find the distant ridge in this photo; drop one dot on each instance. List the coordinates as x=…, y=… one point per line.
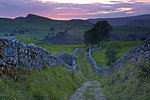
x=123, y=21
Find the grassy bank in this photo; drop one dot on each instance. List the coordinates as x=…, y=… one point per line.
x=129, y=83
x=51, y=84
x=99, y=56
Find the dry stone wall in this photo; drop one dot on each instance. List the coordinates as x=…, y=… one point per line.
x=14, y=53
x=139, y=53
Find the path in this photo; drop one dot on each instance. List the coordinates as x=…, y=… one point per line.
x=90, y=90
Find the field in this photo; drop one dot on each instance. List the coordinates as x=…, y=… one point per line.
x=99, y=56
x=54, y=49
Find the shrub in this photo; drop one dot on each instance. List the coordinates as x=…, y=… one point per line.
x=111, y=53
x=144, y=71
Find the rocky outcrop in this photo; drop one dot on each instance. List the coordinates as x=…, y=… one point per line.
x=16, y=54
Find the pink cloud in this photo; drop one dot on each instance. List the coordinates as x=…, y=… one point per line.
x=15, y=8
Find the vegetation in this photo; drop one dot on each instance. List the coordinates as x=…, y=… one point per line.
x=111, y=53
x=129, y=33
x=99, y=56
x=54, y=49
x=129, y=83
x=100, y=32
x=36, y=27
x=53, y=83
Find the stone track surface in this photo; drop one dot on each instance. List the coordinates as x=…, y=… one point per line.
x=90, y=90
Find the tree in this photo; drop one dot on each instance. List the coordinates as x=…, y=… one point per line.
x=99, y=32
x=91, y=36
x=111, y=53
x=103, y=28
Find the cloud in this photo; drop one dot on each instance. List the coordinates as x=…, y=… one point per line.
x=119, y=8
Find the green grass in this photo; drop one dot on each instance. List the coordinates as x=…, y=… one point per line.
x=54, y=49
x=60, y=83
x=127, y=83
x=99, y=56
x=51, y=84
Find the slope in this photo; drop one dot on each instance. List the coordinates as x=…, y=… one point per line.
x=34, y=26
x=122, y=20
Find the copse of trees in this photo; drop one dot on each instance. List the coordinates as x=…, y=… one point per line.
x=99, y=32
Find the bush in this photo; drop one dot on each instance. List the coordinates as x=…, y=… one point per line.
x=144, y=71
x=111, y=53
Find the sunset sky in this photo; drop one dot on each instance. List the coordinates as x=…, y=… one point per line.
x=74, y=9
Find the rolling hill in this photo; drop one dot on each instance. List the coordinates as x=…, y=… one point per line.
x=123, y=21
x=37, y=27
x=49, y=30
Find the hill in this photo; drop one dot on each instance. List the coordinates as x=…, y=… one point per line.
x=37, y=27
x=123, y=21
x=49, y=30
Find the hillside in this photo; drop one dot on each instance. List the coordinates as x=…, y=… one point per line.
x=45, y=29
x=63, y=38
x=123, y=21
x=37, y=27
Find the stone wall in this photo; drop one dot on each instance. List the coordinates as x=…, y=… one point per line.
x=92, y=61
x=77, y=50
x=14, y=53
x=139, y=53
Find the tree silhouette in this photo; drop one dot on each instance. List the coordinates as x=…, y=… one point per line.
x=99, y=32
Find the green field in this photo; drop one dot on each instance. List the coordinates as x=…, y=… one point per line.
x=99, y=56
x=54, y=49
